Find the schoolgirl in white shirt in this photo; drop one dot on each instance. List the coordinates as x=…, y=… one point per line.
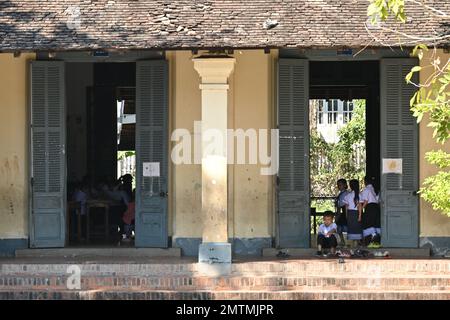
x=370, y=212
x=351, y=201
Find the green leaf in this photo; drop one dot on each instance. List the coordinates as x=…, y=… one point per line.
x=413, y=99
x=419, y=47
x=408, y=77
x=372, y=9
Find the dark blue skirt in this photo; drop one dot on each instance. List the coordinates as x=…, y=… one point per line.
x=371, y=219
x=354, y=227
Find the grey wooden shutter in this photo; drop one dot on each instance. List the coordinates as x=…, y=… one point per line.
x=151, y=146
x=399, y=139
x=48, y=161
x=293, y=123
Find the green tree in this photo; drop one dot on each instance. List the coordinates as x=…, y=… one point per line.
x=352, y=142
x=330, y=161
x=432, y=97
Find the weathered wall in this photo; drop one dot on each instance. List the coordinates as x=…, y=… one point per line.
x=186, y=179
x=14, y=146
x=432, y=223
x=250, y=106
x=251, y=94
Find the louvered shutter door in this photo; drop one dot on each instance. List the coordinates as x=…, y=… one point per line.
x=47, y=154
x=151, y=146
x=293, y=123
x=399, y=130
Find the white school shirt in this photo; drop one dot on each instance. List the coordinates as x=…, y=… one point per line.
x=117, y=195
x=368, y=194
x=81, y=197
x=349, y=200
x=341, y=198
x=323, y=229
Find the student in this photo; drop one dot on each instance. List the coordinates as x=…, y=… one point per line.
x=80, y=196
x=341, y=210
x=127, y=184
x=351, y=201
x=327, y=238
x=370, y=211
x=128, y=218
x=112, y=191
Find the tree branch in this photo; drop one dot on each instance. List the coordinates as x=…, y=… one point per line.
x=439, y=12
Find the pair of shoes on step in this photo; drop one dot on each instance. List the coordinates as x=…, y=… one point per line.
x=282, y=254
x=343, y=253
x=374, y=245
x=361, y=253
x=381, y=254
x=325, y=255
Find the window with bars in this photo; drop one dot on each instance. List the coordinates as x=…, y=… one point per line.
x=329, y=111
x=348, y=110
x=332, y=109
x=320, y=112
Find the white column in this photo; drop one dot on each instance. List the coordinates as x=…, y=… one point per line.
x=214, y=73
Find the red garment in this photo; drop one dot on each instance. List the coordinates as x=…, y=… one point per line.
x=128, y=215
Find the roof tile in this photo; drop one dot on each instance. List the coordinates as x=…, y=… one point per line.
x=107, y=24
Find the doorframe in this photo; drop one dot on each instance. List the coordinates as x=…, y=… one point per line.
x=329, y=55
x=86, y=57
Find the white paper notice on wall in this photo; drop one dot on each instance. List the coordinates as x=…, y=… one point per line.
x=393, y=166
x=150, y=169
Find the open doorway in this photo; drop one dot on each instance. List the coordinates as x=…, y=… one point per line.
x=344, y=125
x=337, y=151
x=391, y=133
x=101, y=170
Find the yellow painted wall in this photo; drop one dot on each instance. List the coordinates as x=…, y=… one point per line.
x=250, y=106
x=432, y=223
x=14, y=146
x=186, y=179
x=251, y=99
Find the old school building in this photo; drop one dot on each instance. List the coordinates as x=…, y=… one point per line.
x=66, y=66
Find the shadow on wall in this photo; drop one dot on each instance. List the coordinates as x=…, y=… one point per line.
x=440, y=246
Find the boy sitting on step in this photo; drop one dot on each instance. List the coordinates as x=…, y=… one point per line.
x=327, y=238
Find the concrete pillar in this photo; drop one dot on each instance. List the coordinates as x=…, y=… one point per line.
x=214, y=251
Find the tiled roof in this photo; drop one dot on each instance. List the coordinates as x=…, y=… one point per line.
x=132, y=24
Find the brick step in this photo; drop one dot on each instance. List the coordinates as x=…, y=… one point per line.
x=126, y=252
x=308, y=252
x=307, y=294
x=353, y=266
x=348, y=282
x=286, y=267
x=155, y=266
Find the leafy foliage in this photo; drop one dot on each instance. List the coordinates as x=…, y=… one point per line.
x=125, y=154
x=330, y=162
x=439, y=158
x=433, y=99
x=436, y=188
x=382, y=9
x=352, y=136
